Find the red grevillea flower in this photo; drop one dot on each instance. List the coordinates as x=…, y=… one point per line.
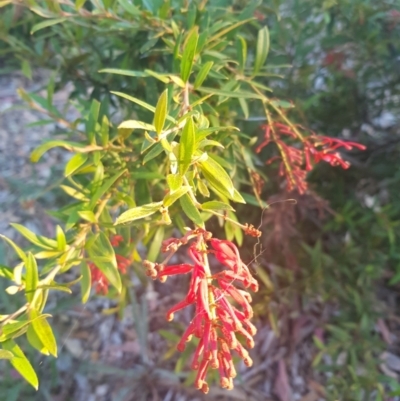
x=217, y=323
x=99, y=280
x=297, y=160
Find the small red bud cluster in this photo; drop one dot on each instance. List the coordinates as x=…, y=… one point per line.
x=99, y=280
x=216, y=322
x=296, y=162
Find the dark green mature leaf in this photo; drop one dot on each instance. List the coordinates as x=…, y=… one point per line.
x=104, y=188
x=186, y=146
x=31, y=278
x=241, y=48
x=160, y=112
x=231, y=94
x=129, y=7
x=139, y=212
x=262, y=49
x=202, y=74
x=45, y=24
x=102, y=254
x=21, y=363
x=173, y=196
x=75, y=163
x=190, y=210
x=217, y=176
x=188, y=55
x=137, y=74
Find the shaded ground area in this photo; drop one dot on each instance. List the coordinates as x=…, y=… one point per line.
x=104, y=357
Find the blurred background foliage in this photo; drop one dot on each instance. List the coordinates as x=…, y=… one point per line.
x=333, y=257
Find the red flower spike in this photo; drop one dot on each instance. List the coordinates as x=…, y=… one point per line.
x=175, y=269
x=296, y=161
x=215, y=321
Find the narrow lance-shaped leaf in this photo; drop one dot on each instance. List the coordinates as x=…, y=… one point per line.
x=21, y=363
x=174, y=196
x=262, y=49
x=139, y=212
x=188, y=55
x=31, y=278
x=86, y=282
x=102, y=254
x=217, y=176
x=45, y=24
x=161, y=112
x=241, y=48
x=75, y=163
x=186, y=146
x=44, y=333
x=202, y=74
x=190, y=210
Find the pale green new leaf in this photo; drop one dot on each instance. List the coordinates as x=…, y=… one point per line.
x=31, y=278
x=75, y=163
x=217, y=176
x=21, y=363
x=160, y=112
x=134, y=124
x=139, y=212
x=44, y=332
x=202, y=74
x=174, y=196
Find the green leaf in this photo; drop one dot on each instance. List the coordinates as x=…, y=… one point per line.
x=45, y=24
x=79, y=4
x=139, y=212
x=231, y=94
x=160, y=77
x=174, y=196
x=75, y=163
x=6, y=272
x=86, y=282
x=104, y=188
x=174, y=181
x=282, y=103
x=39, y=240
x=129, y=7
x=241, y=49
x=137, y=74
x=154, y=152
x=44, y=332
x=17, y=249
x=102, y=254
x=88, y=215
x=262, y=49
x=186, y=146
x=217, y=176
x=61, y=240
x=228, y=29
x=161, y=112
x=21, y=363
x=190, y=210
x=74, y=193
x=133, y=124
x=44, y=147
x=26, y=69
x=188, y=55
x=35, y=342
x=6, y=354
x=202, y=74
x=32, y=277
x=215, y=205
x=245, y=107
x=203, y=189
